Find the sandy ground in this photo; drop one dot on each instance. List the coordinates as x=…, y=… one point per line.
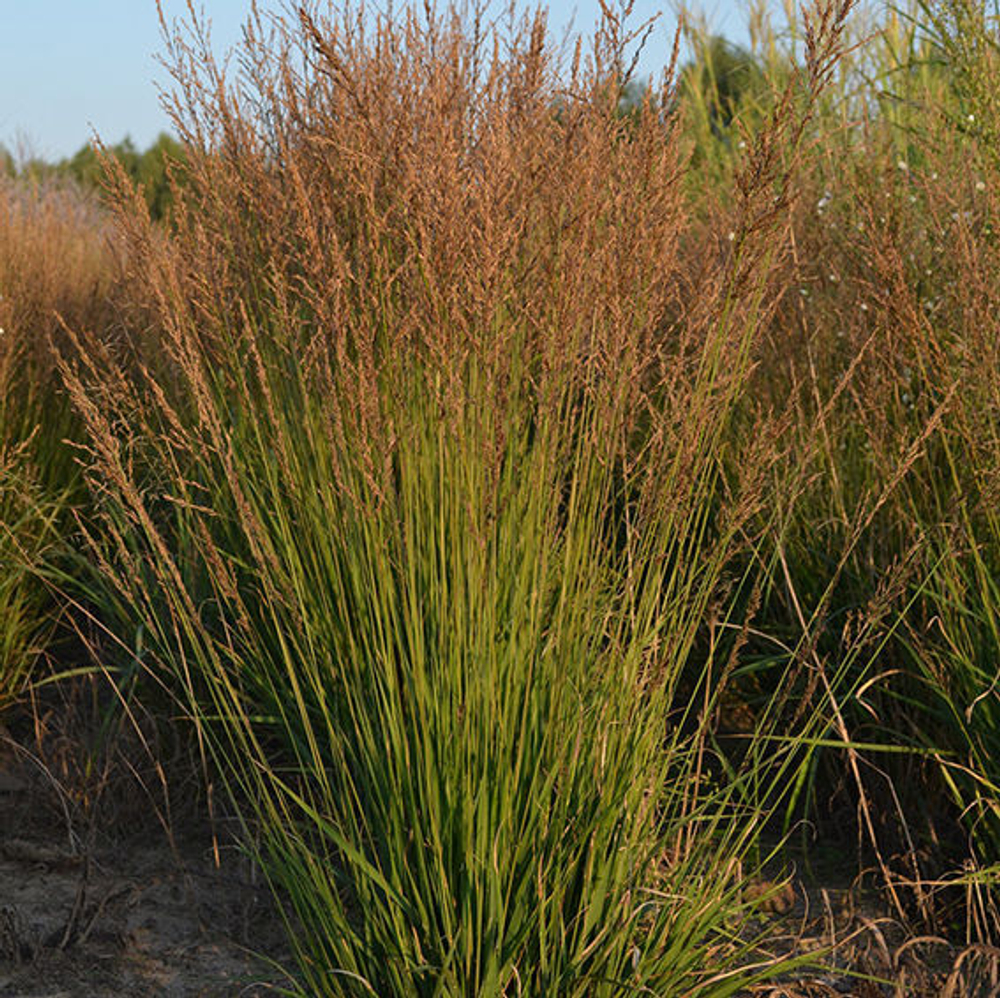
x=135, y=914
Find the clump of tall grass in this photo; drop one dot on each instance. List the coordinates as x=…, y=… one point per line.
x=881, y=358
x=413, y=485
x=54, y=264
x=27, y=533
x=954, y=641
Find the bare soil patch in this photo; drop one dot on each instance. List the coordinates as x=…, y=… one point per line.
x=118, y=912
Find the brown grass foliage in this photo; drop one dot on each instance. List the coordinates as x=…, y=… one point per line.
x=55, y=264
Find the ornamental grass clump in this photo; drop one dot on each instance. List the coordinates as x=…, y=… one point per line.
x=412, y=478
x=954, y=641
x=883, y=561
x=28, y=534
x=55, y=262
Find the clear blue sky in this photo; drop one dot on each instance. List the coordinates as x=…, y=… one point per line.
x=73, y=68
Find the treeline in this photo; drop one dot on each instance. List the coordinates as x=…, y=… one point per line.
x=147, y=169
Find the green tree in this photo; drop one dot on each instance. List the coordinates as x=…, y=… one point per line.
x=153, y=173
x=149, y=169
